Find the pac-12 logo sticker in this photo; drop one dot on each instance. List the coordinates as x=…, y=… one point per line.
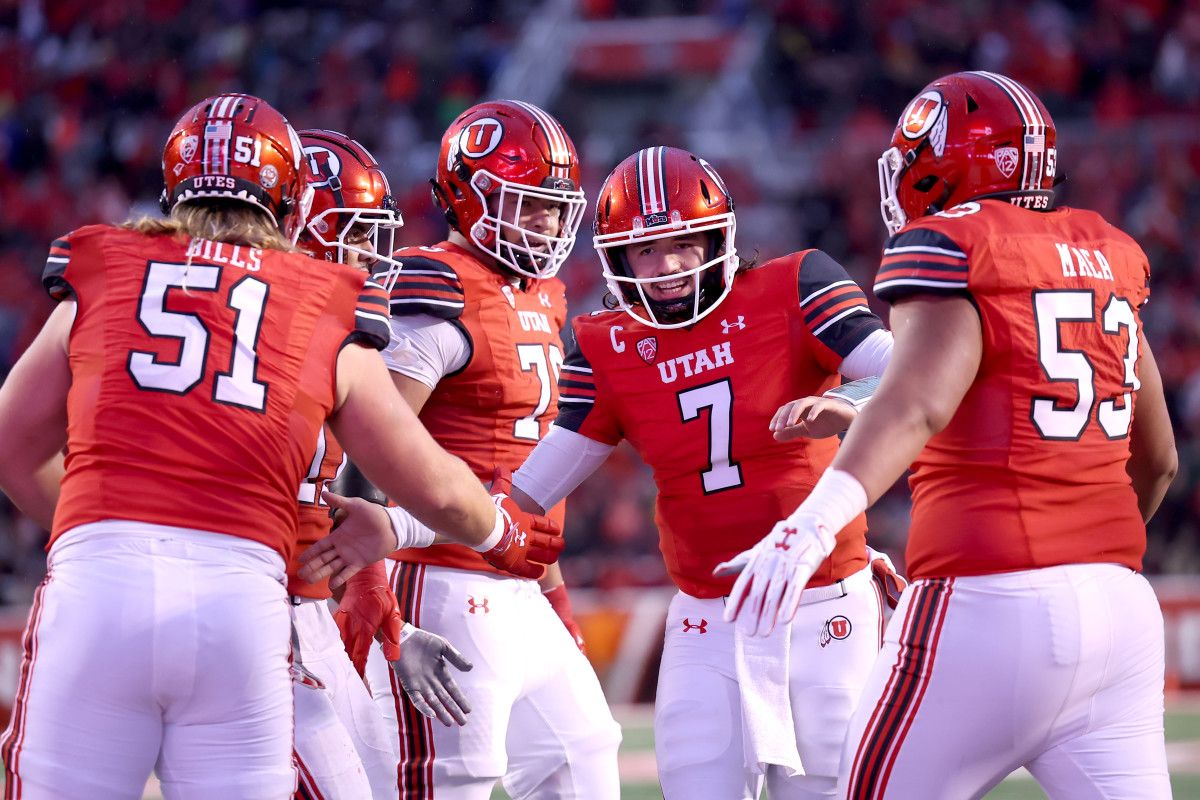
x=838, y=627
x=187, y=150
x=1006, y=160
x=648, y=348
x=480, y=137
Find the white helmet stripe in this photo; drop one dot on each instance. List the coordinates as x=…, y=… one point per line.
x=556, y=138
x=1035, y=140
x=1033, y=143
x=652, y=187
x=653, y=198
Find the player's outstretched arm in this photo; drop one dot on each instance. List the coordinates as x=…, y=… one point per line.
x=389, y=444
x=33, y=419
x=938, y=347
x=1153, y=460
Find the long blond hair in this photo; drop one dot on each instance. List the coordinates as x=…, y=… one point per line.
x=227, y=221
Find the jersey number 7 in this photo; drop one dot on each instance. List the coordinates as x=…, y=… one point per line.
x=722, y=472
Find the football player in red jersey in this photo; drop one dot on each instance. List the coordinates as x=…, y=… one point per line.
x=691, y=371
x=1025, y=396
x=476, y=351
x=343, y=748
x=176, y=516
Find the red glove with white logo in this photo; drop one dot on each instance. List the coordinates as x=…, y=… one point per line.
x=891, y=583
x=522, y=543
x=367, y=607
x=557, y=597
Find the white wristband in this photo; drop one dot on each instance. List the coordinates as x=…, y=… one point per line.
x=493, y=538
x=409, y=531
x=406, y=631
x=837, y=499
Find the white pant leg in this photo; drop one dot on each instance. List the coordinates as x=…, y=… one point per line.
x=697, y=710
x=1109, y=739
x=476, y=612
x=562, y=739
x=991, y=672
x=520, y=650
x=84, y=723
x=833, y=648
x=343, y=748
x=156, y=643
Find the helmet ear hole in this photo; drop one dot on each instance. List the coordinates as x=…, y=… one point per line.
x=971, y=104
x=926, y=183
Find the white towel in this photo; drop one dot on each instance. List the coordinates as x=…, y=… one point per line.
x=768, y=730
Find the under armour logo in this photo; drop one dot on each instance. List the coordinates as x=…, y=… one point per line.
x=739, y=323
x=520, y=537
x=837, y=628
x=544, y=299
x=507, y=291
x=787, y=534
x=702, y=626
x=471, y=602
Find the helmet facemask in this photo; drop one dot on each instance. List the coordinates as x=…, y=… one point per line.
x=533, y=254
x=369, y=233
x=711, y=280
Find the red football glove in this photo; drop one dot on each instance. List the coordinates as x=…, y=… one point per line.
x=369, y=605
x=528, y=541
x=890, y=582
x=557, y=597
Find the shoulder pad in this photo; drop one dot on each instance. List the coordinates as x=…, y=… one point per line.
x=921, y=258
x=55, y=277
x=371, y=320
x=427, y=286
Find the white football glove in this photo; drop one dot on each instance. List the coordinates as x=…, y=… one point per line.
x=774, y=573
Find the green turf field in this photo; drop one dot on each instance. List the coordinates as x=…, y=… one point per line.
x=1183, y=750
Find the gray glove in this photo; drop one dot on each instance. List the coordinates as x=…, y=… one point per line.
x=424, y=672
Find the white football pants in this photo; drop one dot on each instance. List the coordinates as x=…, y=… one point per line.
x=1057, y=669
x=699, y=737
x=343, y=748
x=538, y=717
x=154, y=648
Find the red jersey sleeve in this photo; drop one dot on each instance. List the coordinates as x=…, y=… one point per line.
x=581, y=408
x=371, y=318
x=834, y=308
x=920, y=260
x=60, y=274
x=427, y=286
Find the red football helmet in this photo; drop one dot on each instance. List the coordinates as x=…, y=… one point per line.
x=353, y=210
x=237, y=147
x=968, y=136
x=656, y=193
x=497, y=156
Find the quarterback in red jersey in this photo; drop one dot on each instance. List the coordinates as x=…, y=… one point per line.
x=476, y=351
x=691, y=371
x=1025, y=396
x=187, y=371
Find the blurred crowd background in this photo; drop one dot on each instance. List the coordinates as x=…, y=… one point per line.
x=792, y=101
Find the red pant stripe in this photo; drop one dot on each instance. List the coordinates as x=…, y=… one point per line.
x=307, y=788
x=13, y=738
x=898, y=704
x=415, y=771
x=939, y=613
